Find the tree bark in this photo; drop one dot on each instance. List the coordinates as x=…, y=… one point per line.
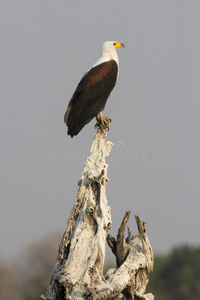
x=78, y=273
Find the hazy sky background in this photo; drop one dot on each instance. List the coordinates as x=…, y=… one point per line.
x=154, y=168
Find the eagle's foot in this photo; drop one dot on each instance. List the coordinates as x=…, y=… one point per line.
x=103, y=123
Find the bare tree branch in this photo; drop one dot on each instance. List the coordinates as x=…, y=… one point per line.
x=78, y=273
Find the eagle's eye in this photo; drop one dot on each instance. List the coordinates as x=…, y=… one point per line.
x=114, y=44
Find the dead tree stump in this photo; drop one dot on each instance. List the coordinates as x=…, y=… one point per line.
x=78, y=273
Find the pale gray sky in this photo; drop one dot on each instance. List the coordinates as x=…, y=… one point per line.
x=154, y=169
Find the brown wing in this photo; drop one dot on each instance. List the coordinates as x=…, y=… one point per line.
x=90, y=96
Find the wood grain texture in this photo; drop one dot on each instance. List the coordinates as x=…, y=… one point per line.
x=78, y=273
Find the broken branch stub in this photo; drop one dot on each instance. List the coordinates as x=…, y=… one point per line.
x=134, y=257
x=78, y=273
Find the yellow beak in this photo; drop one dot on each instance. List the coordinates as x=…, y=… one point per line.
x=118, y=45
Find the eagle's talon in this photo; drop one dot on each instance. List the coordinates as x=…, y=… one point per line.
x=97, y=125
x=103, y=123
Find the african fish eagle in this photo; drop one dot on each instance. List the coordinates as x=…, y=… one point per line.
x=92, y=92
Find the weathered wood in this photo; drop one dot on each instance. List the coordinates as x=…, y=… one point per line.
x=134, y=256
x=78, y=273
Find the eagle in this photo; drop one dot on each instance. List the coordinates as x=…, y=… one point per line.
x=92, y=92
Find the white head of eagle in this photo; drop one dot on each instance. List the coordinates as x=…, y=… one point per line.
x=92, y=92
